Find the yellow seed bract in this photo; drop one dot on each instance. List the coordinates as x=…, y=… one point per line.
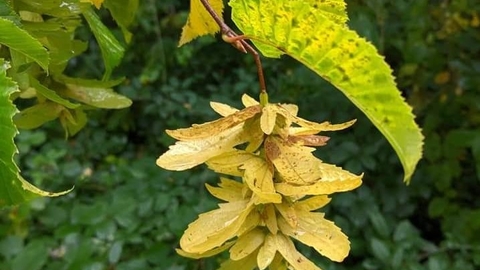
x=282, y=184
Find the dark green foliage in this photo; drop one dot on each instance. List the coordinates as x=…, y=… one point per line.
x=126, y=213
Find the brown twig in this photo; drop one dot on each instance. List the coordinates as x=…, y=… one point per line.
x=238, y=41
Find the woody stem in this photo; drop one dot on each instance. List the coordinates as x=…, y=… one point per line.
x=226, y=30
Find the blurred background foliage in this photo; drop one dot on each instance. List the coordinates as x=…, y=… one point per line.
x=126, y=213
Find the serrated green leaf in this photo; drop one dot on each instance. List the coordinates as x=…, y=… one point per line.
x=339, y=55
x=13, y=188
x=112, y=50
x=21, y=41
x=7, y=12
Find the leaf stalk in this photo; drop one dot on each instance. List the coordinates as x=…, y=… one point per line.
x=238, y=41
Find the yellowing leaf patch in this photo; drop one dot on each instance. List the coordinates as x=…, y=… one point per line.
x=199, y=21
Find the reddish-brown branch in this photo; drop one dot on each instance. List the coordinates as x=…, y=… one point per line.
x=239, y=42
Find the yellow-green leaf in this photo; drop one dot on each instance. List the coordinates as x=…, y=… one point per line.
x=199, y=21
x=302, y=30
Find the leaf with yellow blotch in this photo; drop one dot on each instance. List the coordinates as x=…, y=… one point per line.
x=223, y=109
x=246, y=244
x=187, y=154
x=209, y=253
x=199, y=21
x=259, y=179
x=269, y=218
x=215, y=227
x=295, y=163
x=199, y=131
x=332, y=179
x=314, y=230
x=267, y=252
x=296, y=260
x=228, y=190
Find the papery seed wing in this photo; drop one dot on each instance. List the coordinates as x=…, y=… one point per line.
x=295, y=163
x=267, y=252
x=248, y=101
x=321, y=234
x=247, y=244
x=270, y=218
x=256, y=135
x=247, y=263
x=291, y=108
x=313, y=203
x=309, y=140
x=332, y=179
x=230, y=162
x=268, y=117
x=200, y=131
x=259, y=179
x=228, y=190
x=223, y=109
x=187, y=154
x=310, y=128
x=215, y=227
x=296, y=260
x=288, y=213
x=209, y=253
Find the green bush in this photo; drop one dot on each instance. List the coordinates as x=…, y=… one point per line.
x=126, y=213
